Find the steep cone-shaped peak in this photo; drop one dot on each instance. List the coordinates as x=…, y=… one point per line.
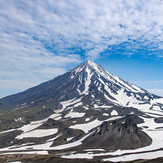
x=87, y=65
x=91, y=64
x=90, y=70
x=87, y=85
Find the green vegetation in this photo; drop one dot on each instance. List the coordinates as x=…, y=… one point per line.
x=16, y=118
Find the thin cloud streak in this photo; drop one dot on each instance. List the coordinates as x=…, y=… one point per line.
x=158, y=92
x=148, y=82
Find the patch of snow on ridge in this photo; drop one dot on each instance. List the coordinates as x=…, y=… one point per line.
x=87, y=119
x=87, y=155
x=137, y=88
x=114, y=112
x=38, y=133
x=58, y=118
x=157, y=108
x=146, y=98
x=87, y=126
x=72, y=77
x=30, y=127
x=28, y=152
x=21, y=120
x=89, y=150
x=52, y=139
x=68, y=139
x=66, y=103
x=78, y=104
x=105, y=114
x=159, y=100
x=95, y=66
x=69, y=102
x=74, y=115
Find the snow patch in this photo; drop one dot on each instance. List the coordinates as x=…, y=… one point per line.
x=29, y=152
x=37, y=133
x=70, y=102
x=68, y=139
x=146, y=98
x=87, y=126
x=105, y=114
x=24, y=104
x=78, y=104
x=74, y=115
x=87, y=119
x=114, y=112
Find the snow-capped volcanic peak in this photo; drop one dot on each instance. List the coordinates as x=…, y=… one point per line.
x=90, y=69
x=87, y=86
x=91, y=74
x=90, y=79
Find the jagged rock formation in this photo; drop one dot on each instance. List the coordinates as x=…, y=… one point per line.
x=113, y=135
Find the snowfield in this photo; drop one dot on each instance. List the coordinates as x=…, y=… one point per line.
x=74, y=115
x=86, y=127
x=148, y=152
x=114, y=112
x=65, y=104
x=38, y=133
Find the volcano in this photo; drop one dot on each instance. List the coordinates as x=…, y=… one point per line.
x=86, y=112
x=88, y=85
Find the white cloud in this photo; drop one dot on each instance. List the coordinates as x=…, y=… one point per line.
x=158, y=92
x=39, y=39
x=150, y=82
x=10, y=84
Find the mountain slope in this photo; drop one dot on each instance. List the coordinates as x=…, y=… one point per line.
x=88, y=85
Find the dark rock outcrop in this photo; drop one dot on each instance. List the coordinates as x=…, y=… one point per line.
x=112, y=135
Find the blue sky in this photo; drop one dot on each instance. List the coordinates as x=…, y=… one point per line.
x=40, y=40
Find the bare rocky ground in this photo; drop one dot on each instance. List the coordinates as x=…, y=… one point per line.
x=53, y=159
x=42, y=159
